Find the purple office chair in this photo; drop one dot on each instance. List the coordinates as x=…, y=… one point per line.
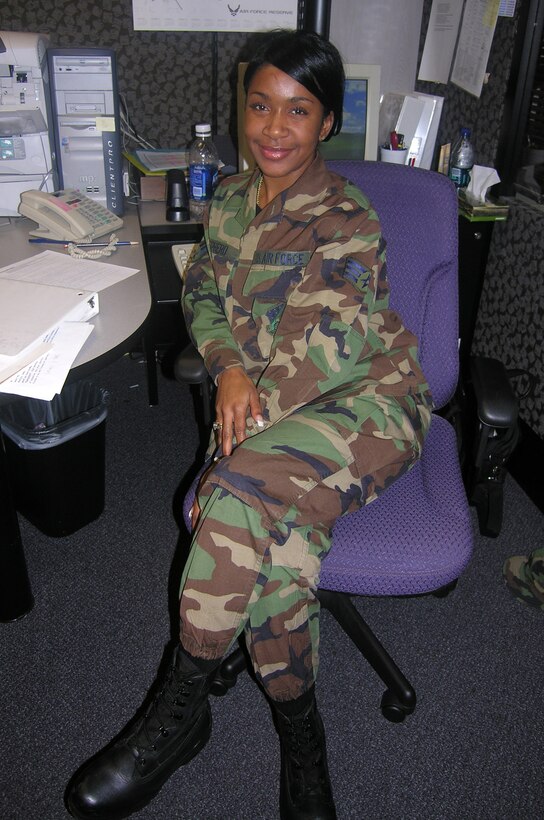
x=417, y=537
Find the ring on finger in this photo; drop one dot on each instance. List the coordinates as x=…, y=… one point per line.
x=216, y=426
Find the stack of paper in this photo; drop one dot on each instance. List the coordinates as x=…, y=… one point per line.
x=45, y=304
x=159, y=161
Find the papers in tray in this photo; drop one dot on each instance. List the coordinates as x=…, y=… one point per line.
x=162, y=159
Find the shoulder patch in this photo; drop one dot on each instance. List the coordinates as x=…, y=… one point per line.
x=356, y=273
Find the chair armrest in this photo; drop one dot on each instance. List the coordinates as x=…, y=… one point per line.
x=496, y=404
x=189, y=366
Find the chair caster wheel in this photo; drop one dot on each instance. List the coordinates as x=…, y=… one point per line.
x=220, y=686
x=227, y=673
x=392, y=709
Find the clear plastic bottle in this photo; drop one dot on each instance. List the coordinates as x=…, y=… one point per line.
x=203, y=164
x=461, y=159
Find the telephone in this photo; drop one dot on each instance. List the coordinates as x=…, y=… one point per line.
x=67, y=215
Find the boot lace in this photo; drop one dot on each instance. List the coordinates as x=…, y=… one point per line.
x=306, y=753
x=166, y=709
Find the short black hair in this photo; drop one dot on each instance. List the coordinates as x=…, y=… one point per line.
x=310, y=60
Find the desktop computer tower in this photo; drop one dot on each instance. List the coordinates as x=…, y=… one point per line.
x=84, y=123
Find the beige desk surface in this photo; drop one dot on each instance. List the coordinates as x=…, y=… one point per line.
x=153, y=222
x=124, y=307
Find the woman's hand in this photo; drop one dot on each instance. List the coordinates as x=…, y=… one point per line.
x=236, y=398
x=236, y=395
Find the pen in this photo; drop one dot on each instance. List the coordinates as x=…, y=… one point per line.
x=43, y=241
x=98, y=244
x=64, y=242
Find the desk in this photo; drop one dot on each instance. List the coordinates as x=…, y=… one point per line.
x=124, y=309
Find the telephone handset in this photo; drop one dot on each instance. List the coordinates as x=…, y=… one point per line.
x=67, y=215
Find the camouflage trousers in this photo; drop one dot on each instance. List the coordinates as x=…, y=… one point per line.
x=267, y=512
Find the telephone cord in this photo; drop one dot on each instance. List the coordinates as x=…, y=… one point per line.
x=93, y=253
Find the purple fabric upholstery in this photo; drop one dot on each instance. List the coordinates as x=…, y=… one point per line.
x=417, y=536
x=414, y=538
x=418, y=215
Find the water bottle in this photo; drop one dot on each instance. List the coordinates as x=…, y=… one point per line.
x=203, y=165
x=461, y=160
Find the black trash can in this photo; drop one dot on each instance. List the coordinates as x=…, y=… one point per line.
x=56, y=457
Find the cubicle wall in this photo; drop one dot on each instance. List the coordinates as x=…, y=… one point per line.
x=164, y=76
x=165, y=79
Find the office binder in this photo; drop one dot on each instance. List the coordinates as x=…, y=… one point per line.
x=29, y=310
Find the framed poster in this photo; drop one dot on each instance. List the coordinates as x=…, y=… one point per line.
x=214, y=15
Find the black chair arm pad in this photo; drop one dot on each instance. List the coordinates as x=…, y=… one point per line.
x=496, y=403
x=189, y=367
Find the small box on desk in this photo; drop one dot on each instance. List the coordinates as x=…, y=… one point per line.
x=151, y=181
x=489, y=211
x=153, y=188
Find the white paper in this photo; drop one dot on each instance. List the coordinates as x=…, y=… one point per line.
x=481, y=180
x=11, y=364
x=54, y=268
x=162, y=160
x=475, y=39
x=210, y=15
x=440, y=41
x=45, y=376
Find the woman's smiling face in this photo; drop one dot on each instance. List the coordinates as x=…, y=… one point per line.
x=284, y=123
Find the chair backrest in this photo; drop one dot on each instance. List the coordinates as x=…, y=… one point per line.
x=418, y=215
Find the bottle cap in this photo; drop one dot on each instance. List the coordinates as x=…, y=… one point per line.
x=203, y=129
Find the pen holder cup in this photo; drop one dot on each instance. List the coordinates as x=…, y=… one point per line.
x=397, y=156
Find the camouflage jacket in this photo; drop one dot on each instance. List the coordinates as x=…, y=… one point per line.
x=297, y=294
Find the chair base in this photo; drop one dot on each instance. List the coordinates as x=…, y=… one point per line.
x=227, y=674
x=398, y=700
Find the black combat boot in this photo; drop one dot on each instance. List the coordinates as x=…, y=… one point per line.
x=305, y=788
x=129, y=772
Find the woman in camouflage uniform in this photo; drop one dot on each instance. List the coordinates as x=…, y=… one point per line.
x=320, y=406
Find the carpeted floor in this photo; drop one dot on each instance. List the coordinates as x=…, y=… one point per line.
x=77, y=666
